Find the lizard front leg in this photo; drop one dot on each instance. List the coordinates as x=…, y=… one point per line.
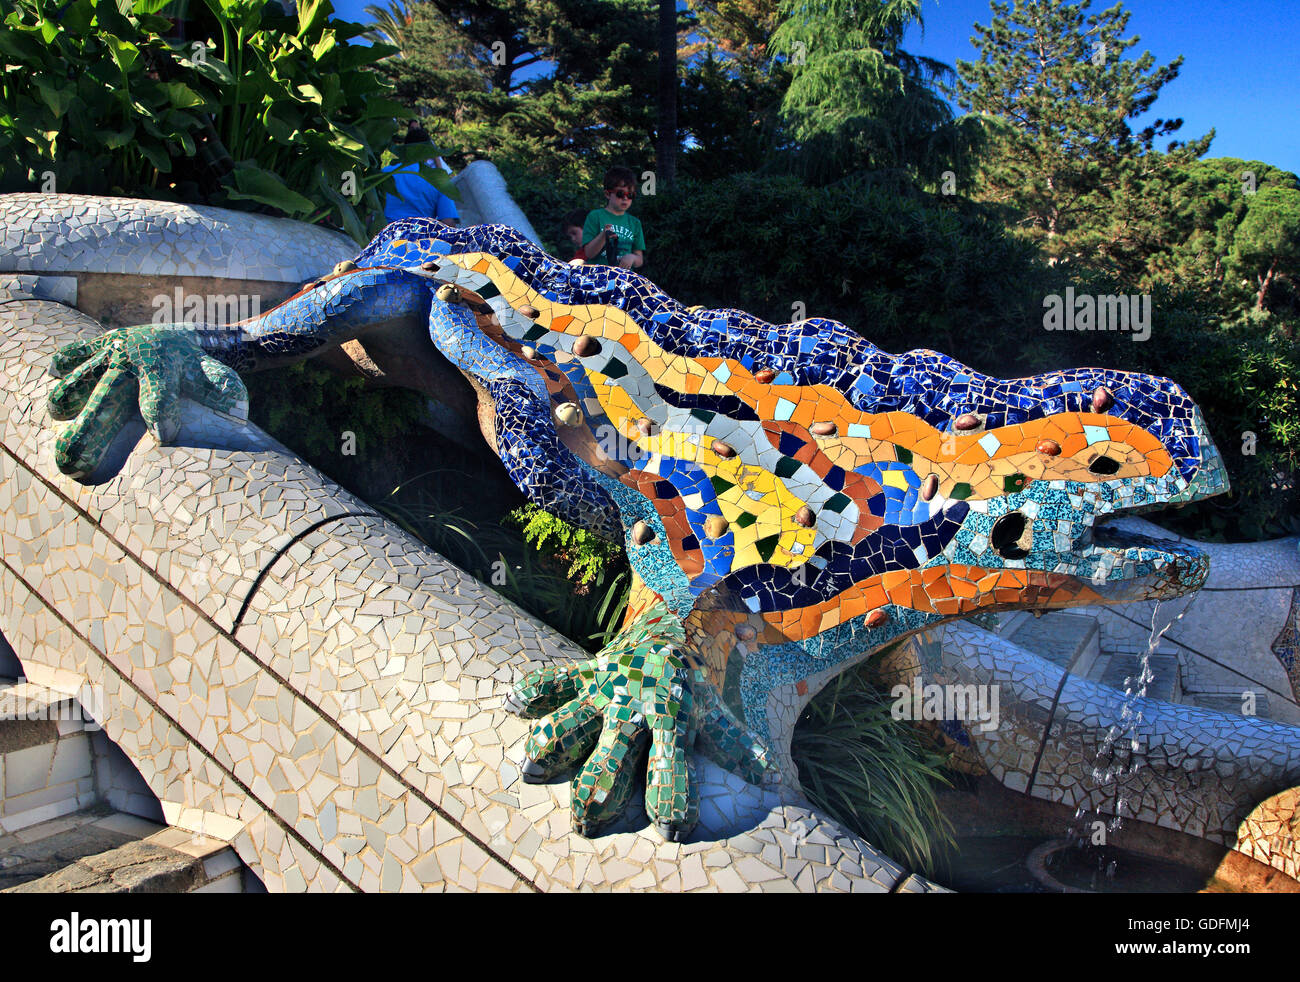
x=644, y=693
x=154, y=366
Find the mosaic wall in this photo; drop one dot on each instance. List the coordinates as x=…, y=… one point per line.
x=1064, y=738
x=791, y=497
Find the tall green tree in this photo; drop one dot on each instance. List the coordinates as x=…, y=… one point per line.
x=1054, y=85
x=734, y=30
x=1229, y=233
x=731, y=87
x=857, y=101
x=1267, y=244
x=560, y=86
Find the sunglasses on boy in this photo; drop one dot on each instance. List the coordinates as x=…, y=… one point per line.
x=621, y=193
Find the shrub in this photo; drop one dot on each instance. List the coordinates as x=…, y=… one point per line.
x=905, y=270
x=877, y=776
x=268, y=112
x=590, y=557
x=311, y=409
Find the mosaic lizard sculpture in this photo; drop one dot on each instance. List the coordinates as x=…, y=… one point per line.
x=791, y=497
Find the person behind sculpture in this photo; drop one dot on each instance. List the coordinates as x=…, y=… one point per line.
x=571, y=229
x=419, y=198
x=610, y=235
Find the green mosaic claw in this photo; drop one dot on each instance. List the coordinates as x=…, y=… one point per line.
x=604, y=715
x=150, y=367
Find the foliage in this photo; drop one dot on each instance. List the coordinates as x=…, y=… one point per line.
x=905, y=270
x=736, y=30
x=390, y=23
x=728, y=115
x=1245, y=377
x=447, y=530
x=593, y=110
x=1266, y=246
x=266, y=112
x=1193, y=240
x=485, y=546
x=590, y=557
x=1056, y=91
x=313, y=409
x=856, y=100
x=85, y=102
x=591, y=618
x=874, y=774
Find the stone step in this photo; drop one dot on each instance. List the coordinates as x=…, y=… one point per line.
x=1120, y=671
x=1066, y=640
x=1229, y=702
x=101, y=851
x=46, y=755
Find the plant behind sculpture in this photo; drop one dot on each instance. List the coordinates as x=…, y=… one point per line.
x=273, y=112
x=874, y=773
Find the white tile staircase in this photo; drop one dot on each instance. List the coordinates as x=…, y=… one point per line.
x=1072, y=640
x=61, y=776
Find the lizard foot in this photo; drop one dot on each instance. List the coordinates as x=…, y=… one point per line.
x=637, y=701
x=104, y=378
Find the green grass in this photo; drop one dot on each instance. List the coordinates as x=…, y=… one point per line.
x=877, y=776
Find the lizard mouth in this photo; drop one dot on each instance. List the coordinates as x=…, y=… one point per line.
x=1122, y=563
x=1118, y=562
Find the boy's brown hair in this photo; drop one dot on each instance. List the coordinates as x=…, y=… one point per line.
x=617, y=177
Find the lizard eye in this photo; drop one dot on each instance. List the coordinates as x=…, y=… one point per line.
x=1009, y=537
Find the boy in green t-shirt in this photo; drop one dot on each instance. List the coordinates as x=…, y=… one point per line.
x=604, y=224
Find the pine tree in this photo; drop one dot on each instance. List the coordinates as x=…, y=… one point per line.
x=857, y=101
x=465, y=69
x=1055, y=89
x=735, y=30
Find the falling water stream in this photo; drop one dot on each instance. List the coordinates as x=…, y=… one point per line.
x=1117, y=759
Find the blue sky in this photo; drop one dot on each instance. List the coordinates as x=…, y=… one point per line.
x=1240, y=74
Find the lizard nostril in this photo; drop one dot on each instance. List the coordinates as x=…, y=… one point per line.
x=1104, y=465
x=1012, y=536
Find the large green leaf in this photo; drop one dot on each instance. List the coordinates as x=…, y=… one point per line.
x=311, y=15
x=116, y=138
x=76, y=17
x=441, y=180
x=23, y=46
x=57, y=97
x=346, y=141
x=180, y=95
x=249, y=182
x=324, y=45
x=124, y=53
